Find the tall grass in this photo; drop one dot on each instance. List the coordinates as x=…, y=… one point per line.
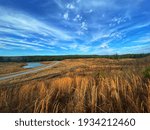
x=91, y=85
x=146, y=72
x=113, y=93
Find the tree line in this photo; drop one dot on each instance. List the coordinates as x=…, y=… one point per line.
x=63, y=57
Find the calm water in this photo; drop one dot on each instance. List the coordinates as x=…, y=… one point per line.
x=32, y=65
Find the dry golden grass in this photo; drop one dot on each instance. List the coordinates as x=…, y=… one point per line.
x=79, y=94
x=10, y=67
x=91, y=85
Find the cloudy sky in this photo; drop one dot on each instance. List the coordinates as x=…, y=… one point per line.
x=60, y=27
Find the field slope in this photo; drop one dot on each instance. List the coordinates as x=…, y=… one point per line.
x=81, y=85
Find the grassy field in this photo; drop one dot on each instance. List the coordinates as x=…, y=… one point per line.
x=10, y=67
x=81, y=85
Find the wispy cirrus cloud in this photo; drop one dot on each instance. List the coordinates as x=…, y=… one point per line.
x=17, y=21
x=16, y=26
x=135, y=49
x=104, y=45
x=75, y=26
x=143, y=39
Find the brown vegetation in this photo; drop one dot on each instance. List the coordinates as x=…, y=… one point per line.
x=89, y=85
x=10, y=67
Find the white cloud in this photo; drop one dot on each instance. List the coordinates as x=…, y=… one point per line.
x=70, y=6
x=77, y=18
x=84, y=48
x=24, y=25
x=64, y=48
x=103, y=51
x=99, y=36
x=21, y=46
x=104, y=45
x=118, y=20
x=73, y=46
x=20, y=22
x=59, y=3
x=84, y=26
x=136, y=26
x=21, y=33
x=90, y=11
x=135, y=49
x=117, y=35
x=22, y=43
x=66, y=16
x=2, y=46
x=144, y=39
x=80, y=32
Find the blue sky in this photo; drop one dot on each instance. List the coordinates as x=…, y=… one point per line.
x=62, y=27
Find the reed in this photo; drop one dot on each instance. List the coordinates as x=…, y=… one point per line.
x=79, y=94
x=91, y=85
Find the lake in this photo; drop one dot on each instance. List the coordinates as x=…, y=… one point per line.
x=32, y=65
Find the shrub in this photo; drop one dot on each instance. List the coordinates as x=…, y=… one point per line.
x=146, y=72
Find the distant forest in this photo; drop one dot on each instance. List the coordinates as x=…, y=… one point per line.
x=63, y=57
